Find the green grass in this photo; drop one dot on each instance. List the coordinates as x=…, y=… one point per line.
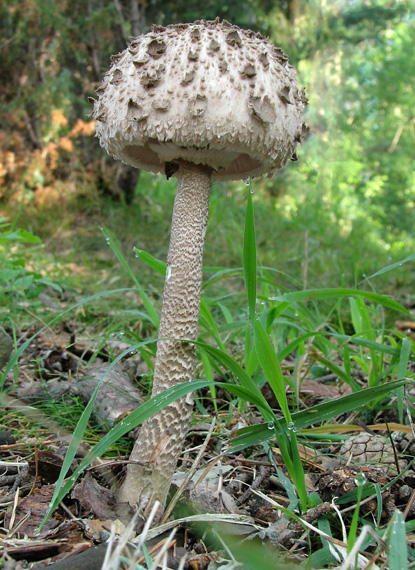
x=258, y=325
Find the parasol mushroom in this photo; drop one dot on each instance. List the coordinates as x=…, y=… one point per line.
x=203, y=102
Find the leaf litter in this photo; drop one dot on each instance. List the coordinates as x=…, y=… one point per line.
x=242, y=496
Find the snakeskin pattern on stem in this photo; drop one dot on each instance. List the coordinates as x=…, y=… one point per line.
x=161, y=437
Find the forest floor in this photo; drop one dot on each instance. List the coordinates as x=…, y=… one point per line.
x=234, y=507
x=341, y=361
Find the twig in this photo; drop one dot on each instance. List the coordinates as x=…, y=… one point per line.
x=19, y=524
x=163, y=549
x=395, y=454
x=255, y=484
x=36, y=472
x=13, y=515
x=157, y=547
x=12, y=463
x=396, y=138
x=409, y=504
x=36, y=318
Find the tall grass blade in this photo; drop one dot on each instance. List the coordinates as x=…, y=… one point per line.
x=272, y=370
x=255, y=435
x=361, y=316
x=322, y=294
x=152, y=313
x=391, y=267
x=338, y=372
x=136, y=417
x=398, y=549
x=156, y=264
x=249, y=257
x=384, y=348
x=271, y=366
x=402, y=372
x=208, y=322
x=209, y=375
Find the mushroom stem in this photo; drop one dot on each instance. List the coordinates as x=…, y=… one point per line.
x=161, y=437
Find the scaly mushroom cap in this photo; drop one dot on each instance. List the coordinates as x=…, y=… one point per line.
x=209, y=93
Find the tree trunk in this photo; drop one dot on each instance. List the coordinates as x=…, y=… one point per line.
x=138, y=17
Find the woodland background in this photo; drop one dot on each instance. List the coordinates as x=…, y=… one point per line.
x=349, y=201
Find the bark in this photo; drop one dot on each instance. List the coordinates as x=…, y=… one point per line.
x=138, y=19
x=161, y=437
x=294, y=11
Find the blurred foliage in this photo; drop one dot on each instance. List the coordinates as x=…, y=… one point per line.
x=354, y=187
x=356, y=170
x=18, y=281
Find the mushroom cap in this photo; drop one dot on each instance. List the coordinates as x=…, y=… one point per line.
x=209, y=93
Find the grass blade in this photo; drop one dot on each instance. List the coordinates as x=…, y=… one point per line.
x=272, y=370
x=136, y=417
x=152, y=313
x=385, y=348
x=246, y=382
x=254, y=435
x=398, y=549
x=322, y=294
x=391, y=267
x=14, y=359
x=271, y=366
x=249, y=257
x=209, y=324
x=402, y=372
x=156, y=264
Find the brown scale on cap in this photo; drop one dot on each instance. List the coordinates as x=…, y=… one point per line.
x=233, y=68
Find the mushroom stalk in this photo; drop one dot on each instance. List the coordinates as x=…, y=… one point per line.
x=161, y=437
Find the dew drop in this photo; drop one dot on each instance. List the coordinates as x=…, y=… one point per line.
x=121, y=333
x=360, y=479
x=270, y=425
x=291, y=427
x=247, y=182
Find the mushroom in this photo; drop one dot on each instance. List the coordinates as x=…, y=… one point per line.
x=203, y=102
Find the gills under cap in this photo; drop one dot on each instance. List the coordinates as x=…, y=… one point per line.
x=209, y=93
